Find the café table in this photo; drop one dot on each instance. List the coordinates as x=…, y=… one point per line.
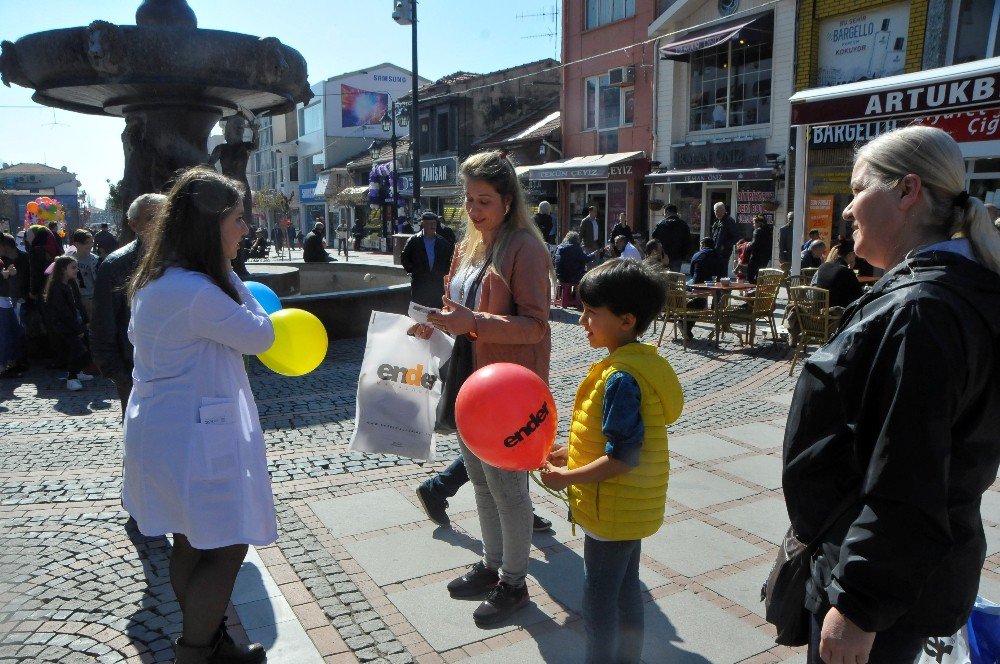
x=720, y=294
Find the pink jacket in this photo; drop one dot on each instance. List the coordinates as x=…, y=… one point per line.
x=512, y=322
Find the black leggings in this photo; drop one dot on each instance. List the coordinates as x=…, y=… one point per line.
x=77, y=354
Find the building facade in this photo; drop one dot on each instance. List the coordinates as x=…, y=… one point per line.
x=339, y=123
x=607, y=113
x=22, y=183
x=852, y=43
x=724, y=73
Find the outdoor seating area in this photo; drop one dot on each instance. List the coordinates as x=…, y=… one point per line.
x=800, y=319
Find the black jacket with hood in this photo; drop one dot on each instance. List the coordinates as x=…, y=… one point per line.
x=901, y=407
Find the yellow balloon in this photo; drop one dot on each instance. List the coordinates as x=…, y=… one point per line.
x=300, y=343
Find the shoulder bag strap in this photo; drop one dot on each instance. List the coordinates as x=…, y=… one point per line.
x=470, y=297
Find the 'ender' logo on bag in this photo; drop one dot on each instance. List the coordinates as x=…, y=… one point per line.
x=534, y=422
x=407, y=376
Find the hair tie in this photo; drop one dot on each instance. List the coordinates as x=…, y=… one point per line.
x=961, y=199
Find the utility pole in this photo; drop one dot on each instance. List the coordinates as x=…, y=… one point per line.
x=406, y=14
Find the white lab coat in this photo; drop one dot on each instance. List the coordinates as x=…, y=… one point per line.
x=195, y=461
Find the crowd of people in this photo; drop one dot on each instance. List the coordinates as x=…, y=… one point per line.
x=890, y=441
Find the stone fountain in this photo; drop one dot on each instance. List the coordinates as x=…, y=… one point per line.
x=170, y=80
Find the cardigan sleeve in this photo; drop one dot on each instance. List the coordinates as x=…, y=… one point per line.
x=526, y=270
x=215, y=316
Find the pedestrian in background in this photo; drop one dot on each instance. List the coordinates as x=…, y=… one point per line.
x=86, y=261
x=785, y=244
x=543, y=220
x=195, y=462
x=66, y=320
x=426, y=257
x=105, y=242
x=342, y=240
x=725, y=234
x=674, y=235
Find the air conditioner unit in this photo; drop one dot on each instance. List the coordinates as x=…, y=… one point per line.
x=621, y=76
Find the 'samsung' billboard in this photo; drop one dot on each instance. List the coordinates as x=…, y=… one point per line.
x=863, y=45
x=360, y=107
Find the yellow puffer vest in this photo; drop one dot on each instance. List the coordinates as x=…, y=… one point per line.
x=629, y=506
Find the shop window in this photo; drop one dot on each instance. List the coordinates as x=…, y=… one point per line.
x=607, y=106
x=602, y=12
x=293, y=169
x=310, y=119
x=974, y=35
x=443, y=127
x=731, y=82
x=312, y=165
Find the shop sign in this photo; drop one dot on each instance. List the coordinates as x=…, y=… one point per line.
x=820, y=210
x=307, y=194
x=404, y=183
x=438, y=171
x=968, y=127
x=740, y=154
x=750, y=199
x=961, y=94
x=862, y=45
x=570, y=173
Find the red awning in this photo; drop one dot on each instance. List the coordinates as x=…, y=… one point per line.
x=698, y=40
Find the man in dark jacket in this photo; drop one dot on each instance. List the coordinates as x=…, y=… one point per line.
x=312, y=246
x=109, y=343
x=894, y=426
x=105, y=242
x=760, y=248
x=725, y=234
x=674, y=235
x=427, y=258
x=707, y=264
x=785, y=244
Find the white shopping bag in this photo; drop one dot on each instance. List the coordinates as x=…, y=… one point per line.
x=952, y=649
x=399, y=389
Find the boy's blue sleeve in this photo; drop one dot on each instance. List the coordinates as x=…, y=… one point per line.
x=621, y=420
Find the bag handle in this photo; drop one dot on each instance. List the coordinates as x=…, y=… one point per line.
x=470, y=297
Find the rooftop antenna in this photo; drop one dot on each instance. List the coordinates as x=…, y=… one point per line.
x=549, y=15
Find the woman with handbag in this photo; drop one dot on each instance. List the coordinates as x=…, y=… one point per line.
x=195, y=462
x=892, y=433
x=497, y=305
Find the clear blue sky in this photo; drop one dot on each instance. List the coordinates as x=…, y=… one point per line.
x=334, y=37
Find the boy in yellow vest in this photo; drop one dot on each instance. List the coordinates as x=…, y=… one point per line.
x=616, y=464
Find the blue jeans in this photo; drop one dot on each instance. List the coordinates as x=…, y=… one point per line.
x=447, y=483
x=612, y=601
x=893, y=646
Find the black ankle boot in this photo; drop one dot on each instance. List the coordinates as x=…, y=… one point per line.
x=228, y=652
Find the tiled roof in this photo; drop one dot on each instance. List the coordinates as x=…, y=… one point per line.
x=39, y=169
x=364, y=160
x=539, y=124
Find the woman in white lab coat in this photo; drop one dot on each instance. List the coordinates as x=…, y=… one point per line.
x=195, y=462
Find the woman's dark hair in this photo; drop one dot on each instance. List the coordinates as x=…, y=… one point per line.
x=652, y=246
x=58, y=274
x=625, y=286
x=187, y=231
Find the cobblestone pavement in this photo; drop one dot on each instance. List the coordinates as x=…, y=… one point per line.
x=78, y=585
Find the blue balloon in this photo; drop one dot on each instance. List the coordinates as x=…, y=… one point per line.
x=266, y=297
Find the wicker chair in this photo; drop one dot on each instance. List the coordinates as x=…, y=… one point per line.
x=747, y=310
x=668, y=278
x=816, y=325
x=677, y=310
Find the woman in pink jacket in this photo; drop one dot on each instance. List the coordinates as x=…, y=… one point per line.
x=498, y=295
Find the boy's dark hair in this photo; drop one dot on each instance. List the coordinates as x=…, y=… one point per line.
x=708, y=243
x=7, y=240
x=625, y=286
x=81, y=235
x=671, y=208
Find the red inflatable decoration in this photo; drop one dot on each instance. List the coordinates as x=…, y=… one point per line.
x=506, y=415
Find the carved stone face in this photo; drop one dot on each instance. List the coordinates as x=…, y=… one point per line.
x=234, y=129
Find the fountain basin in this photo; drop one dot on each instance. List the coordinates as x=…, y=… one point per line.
x=342, y=295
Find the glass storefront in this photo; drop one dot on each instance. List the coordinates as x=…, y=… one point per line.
x=984, y=180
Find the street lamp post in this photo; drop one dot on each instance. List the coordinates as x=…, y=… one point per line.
x=389, y=126
x=406, y=14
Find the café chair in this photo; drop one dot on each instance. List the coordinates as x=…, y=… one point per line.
x=678, y=311
x=811, y=306
x=668, y=278
x=748, y=309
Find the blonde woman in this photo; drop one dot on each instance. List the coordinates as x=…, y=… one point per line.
x=497, y=298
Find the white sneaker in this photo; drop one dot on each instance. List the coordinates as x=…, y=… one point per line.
x=84, y=376
x=74, y=385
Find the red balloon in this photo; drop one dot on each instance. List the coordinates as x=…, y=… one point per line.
x=507, y=417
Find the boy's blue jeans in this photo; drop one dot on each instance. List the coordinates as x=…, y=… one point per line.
x=612, y=601
x=446, y=484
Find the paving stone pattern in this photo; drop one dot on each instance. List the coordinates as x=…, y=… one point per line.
x=362, y=571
